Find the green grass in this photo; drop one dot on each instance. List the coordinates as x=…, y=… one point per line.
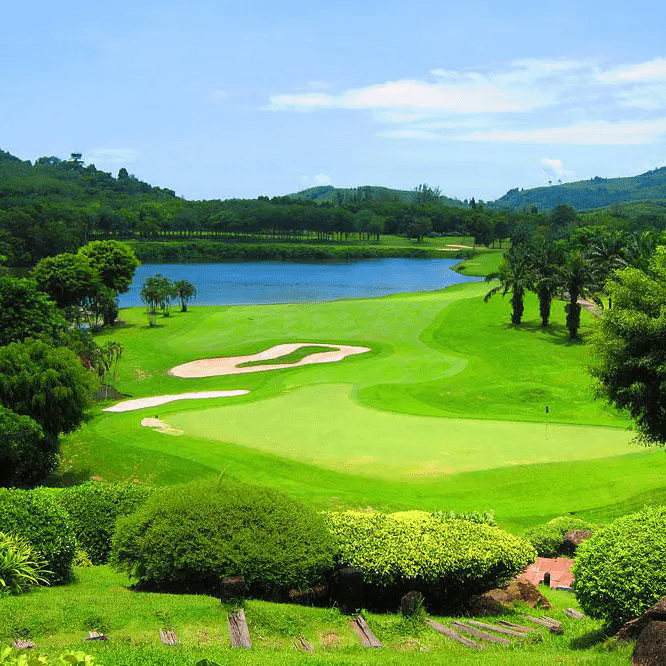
x=446, y=412
x=57, y=619
x=291, y=358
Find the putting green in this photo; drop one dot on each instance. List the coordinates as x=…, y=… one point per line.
x=321, y=425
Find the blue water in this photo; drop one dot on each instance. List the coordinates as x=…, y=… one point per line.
x=257, y=282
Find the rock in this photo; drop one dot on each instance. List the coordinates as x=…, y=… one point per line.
x=633, y=628
x=650, y=648
x=496, y=601
x=572, y=539
x=411, y=602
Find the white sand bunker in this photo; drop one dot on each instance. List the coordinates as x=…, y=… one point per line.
x=154, y=401
x=228, y=365
x=161, y=426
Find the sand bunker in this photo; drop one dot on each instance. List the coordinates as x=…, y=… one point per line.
x=228, y=365
x=161, y=426
x=154, y=401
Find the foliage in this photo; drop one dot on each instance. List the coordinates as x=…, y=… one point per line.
x=10, y=657
x=629, y=348
x=547, y=539
x=194, y=535
x=26, y=312
x=36, y=517
x=481, y=517
x=20, y=568
x=48, y=384
x=157, y=292
x=185, y=291
x=460, y=556
x=115, y=263
x=621, y=570
x=514, y=277
x=26, y=456
x=93, y=508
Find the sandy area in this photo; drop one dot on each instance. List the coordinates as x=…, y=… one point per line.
x=228, y=365
x=161, y=426
x=154, y=401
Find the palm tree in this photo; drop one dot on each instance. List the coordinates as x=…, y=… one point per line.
x=605, y=256
x=513, y=276
x=577, y=279
x=545, y=258
x=185, y=291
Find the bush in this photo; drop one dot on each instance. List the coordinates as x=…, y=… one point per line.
x=36, y=517
x=621, y=570
x=191, y=536
x=548, y=539
x=11, y=657
x=94, y=508
x=20, y=567
x=457, y=558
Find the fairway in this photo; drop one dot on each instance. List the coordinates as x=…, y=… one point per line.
x=321, y=425
x=446, y=411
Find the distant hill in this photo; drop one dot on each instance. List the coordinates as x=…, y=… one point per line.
x=586, y=194
x=366, y=193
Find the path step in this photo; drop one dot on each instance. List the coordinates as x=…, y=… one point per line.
x=552, y=625
x=494, y=627
x=483, y=635
x=95, y=635
x=515, y=627
x=368, y=639
x=301, y=644
x=449, y=633
x=238, y=630
x=572, y=612
x=168, y=637
x=22, y=644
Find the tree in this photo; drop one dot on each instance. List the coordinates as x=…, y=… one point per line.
x=628, y=344
x=514, y=277
x=544, y=260
x=186, y=292
x=156, y=293
x=577, y=279
x=27, y=312
x=69, y=280
x=26, y=456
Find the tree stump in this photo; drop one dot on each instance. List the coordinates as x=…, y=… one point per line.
x=368, y=639
x=238, y=630
x=411, y=602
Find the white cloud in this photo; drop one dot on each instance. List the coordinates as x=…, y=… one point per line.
x=600, y=133
x=300, y=102
x=653, y=70
x=553, y=169
x=111, y=156
x=410, y=134
x=322, y=179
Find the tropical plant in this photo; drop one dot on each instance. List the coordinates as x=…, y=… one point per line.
x=186, y=292
x=577, y=279
x=544, y=259
x=514, y=277
x=157, y=292
x=20, y=567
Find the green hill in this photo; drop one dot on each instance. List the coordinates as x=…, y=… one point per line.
x=586, y=194
x=374, y=193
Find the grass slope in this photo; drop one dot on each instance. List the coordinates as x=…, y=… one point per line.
x=446, y=412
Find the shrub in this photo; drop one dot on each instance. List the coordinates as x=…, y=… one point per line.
x=193, y=535
x=621, y=570
x=20, y=567
x=457, y=558
x=94, y=508
x=36, y=517
x=482, y=517
x=548, y=539
x=11, y=657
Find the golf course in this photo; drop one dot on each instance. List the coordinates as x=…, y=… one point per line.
x=448, y=407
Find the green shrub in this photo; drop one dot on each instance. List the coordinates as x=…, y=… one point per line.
x=94, y=508
x=548, y=539
x=20, y=567
x=460, y=557
x=11, y=657
x=36, y=517
x=191, y=536
x=621, y=570
x=481, y=517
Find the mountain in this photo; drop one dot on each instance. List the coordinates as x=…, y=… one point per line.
x=586, y=194
x=367, y=193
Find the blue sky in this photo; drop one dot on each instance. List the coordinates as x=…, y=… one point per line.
x=239, y=99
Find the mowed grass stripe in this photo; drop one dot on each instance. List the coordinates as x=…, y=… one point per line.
x=320, y=425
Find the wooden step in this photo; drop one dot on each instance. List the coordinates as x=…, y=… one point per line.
x=454, y=635
x=368, y=639
x=483, y=635
x=494, y=627
x=168, y=637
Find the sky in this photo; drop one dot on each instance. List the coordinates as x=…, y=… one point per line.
x=218, y=99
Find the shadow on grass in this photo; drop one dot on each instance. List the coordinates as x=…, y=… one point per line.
x=556, y=334
x=589, y=639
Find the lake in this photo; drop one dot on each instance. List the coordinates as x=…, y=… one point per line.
x=263, y=282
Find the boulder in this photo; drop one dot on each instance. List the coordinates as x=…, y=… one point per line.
x=496, y=601
x=572, y=539
x=634, y=628
x=650, y=647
